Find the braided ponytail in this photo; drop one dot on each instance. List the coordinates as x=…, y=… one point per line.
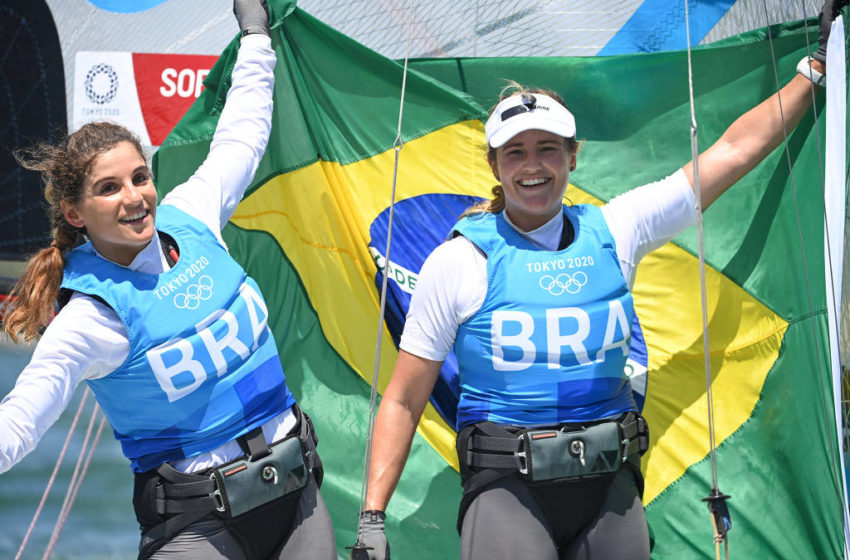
x=64, y=168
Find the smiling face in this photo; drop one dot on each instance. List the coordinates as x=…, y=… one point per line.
x=533, y=167
x=117, y=205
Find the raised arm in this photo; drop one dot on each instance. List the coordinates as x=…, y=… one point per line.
x=751, y=138
x=760, y=130
x=242, y=132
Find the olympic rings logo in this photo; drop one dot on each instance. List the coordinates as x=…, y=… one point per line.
x=95, y=87
x=195, y=294
x=569, y=283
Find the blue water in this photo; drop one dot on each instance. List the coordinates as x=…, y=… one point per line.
x=101, y=524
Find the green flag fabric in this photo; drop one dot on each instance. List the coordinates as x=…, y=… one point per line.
x=312, y=227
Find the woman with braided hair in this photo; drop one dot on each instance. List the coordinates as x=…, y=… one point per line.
x=171, y=335
x=63, y=168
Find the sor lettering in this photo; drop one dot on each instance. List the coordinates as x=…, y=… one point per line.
x=224, y=337
x=617, y=336
x=187, y=82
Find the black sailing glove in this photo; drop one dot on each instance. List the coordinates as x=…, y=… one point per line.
x=252, y=15
x=828, y=13
x=373, y=536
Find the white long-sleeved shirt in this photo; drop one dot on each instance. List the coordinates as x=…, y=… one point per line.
x=452, y=283
x=87, y=340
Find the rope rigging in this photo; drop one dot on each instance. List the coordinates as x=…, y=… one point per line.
x=84, y=459
x=824, y=382
x=373, y=396
x=716, y=499
x=80, y=470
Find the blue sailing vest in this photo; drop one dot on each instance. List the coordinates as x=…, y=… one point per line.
x=551, y=339
x=203, y=367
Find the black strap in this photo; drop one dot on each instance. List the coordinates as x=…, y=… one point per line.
x=568, y=234
x=309, y=441
x=493, y=452
x=169, y=248
x=172, y=498
x=487, y=453
x=490, y=446
x=498, y=453
x=634, y=428
x=475, y=478
x=496, y=444
x=183, y=492
x=188, y=496
x=254, y=444
x=190, y=489
x=170, y=506
x=153, y=539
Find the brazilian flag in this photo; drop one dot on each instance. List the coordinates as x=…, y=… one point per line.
x=312, y=230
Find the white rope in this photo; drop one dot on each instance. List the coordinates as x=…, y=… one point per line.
x=715, y=494
x=373, y=398
x=53, y=475
x=835, y=212
x=815, y=337
x=825, y=388
x=701, y=252
x=80, y=471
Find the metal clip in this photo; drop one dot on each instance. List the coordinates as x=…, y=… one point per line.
x=577, y=450
x=625, y=443
x=523, y=455
x=523, y=463
x=216, y=495
x=269, y=474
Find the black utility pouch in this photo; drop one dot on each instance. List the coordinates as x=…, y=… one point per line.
x=570, y=453
x=244, y=485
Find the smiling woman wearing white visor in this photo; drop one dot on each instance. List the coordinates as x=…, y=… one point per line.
x=549, y=437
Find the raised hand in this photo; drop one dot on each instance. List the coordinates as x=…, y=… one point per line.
x=828, y=13
x=252, y=15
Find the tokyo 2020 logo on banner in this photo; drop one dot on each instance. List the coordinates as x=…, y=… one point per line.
x=101, y=84
x=145, y=92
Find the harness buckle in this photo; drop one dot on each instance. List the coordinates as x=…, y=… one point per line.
x=216, y=495
x=523, y=462
x=522, y=454
x=626, y=442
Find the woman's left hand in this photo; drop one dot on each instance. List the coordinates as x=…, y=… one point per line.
x=252, y=15
x=828, y=13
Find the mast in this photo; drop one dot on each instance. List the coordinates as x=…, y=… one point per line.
x=835, y=202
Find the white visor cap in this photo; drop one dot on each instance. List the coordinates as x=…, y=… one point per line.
x=528, y=111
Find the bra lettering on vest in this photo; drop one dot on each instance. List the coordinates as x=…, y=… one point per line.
x=520, y=325
x=177, y=363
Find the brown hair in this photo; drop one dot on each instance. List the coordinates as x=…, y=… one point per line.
x=497, y=203
x=64, y=168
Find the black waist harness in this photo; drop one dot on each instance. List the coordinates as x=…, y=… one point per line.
x=488, y=452
x=255, y=496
